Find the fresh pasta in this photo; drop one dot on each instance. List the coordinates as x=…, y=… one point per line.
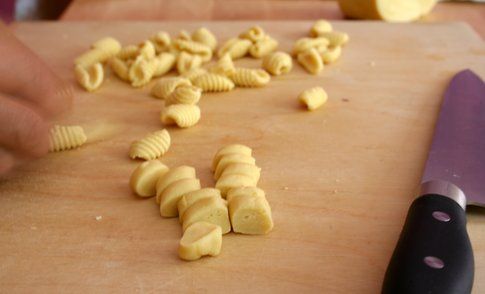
x=161, y=41
x=173, y=175
x=144, y=178
x=90, y=78
x=232, y=158
x=263, y=47
x=165, y=86
x=224, y=66
x=200, y=239
x=184, y=95
x=100, y=52
x=230, y=181
x=305, y=44
x=193, y=74
x=278, y=63
x=335, y=38
x=311, y=61
x=210, y=82
x=236, y=48
x=182, y=115
x=195, y=48
x=248, y=169
x=142, y=71
x=187, y=62
x=128, y=52
x=230, y=149
x=331, y=54
x=313, y=98
x=319, y=27
x=254, y=34
x=147, y=50
x=119, y=67
x=206, y=37
x=244, y=191
x=212, y=210
x=151, y=146
x=247, y=77
x=250, y=214
x=190, y=198
x=166, y=62
x=172, y=194
x=66, y=137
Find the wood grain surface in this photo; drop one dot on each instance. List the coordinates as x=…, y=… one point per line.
x=339, y=179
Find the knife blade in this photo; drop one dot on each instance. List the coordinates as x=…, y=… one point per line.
x=433, y=253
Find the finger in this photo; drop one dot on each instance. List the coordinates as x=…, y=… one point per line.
x=6, y=161
x=26, y=75
x=23, y=130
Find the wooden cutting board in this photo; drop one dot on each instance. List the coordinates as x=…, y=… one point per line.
x=339, y=179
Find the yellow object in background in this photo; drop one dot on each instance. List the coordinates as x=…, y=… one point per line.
x=388, y=10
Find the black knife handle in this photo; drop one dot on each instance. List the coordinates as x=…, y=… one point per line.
x=433, y=254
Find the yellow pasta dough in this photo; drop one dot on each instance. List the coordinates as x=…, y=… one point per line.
x=253, y=34
x=101, y=51
x=230, y=149
x=173, y=175
x=195, y=48
x=244, y=169
x=236, y=48
x=66, y=137
x=187, y=61
x=313, y=98
x=142, y=71
x=278, y=63
x=305, y=44
x=193, y=74
x=214, y=83
x=119, y=67
x=212, y=210
x=206, y=37
x=172, y=194
x=311, y=61
x=331, y=54
x=184, y=95
x=147, y=50
x=263, y=47
x=248, y=77
x=144, y=178
x=161, y=41
x=200, y=239
x=151, y=146
x=244, y=191
x=183, y=35
x=335, y=38
x=166, y=62
x=232, y=158
x=319, y=27
x=90, y=78
x=128, y=52
x=224, y=66
x=250, y=215
x=231, y=181
x=183, y=115
x=190, y=198
x=165, y=86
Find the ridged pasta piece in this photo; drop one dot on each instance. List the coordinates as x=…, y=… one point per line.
x=166, y=62
x=230, y=149
x=224, y=66
x=210, y=82
x=236, y=48
x=144, y=178
x=161, y=41
x=331, y=54
x=244, y=191
x=206, y=37
x=173, y=175
x=101, y=51
x=278, y=63
x=184, y=95
x=231, y=181
x=128, y=52
x=195, y=48
x=313, y=98
x=142, y=71
x=146, y=49
x=319, y=27
x=250, y=215
x=335, y=38
x=190, y=198
x=165, y=86
x=66, y=137
x=311, y=61
x=212, y=210
x=183, y=115
x=183, y=35
x=90, y=78
x=200, y=239
x=187, y=61
x=248, y=77
x=193, y=74
x=253, y=34
x=244, y=169
x=263, y=47
x=119, y=67
x=151, y=146
x=172, y=194
x=305, y=44
x=230, y=158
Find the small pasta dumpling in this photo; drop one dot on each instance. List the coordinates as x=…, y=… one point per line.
x=230, y=149
x=182, y=115
x=210, y=82
x=161, y=41
x=313, y=98
x=319, y=27
x=184, y=95
x=212, y=210
x=331, y=54
x=187, y=61
x=183, y=35
x=230, y=158
x=151, y=146
x=248, y=77
x=100, y=51
x=263, y=47
x=278, y=63
x=311, y=61
x=230, y=181
x=304, y=44
x=250, y=215
x=128, y=52
x=173, y=175
x=142, y=71
x=172, y=194
x=90, y=78
x=335, y=38
x=193, y=74
x=144, y=178
x=146, y=49
x=244, y=191
x=253, y=34
x=244, y=169
x=107, y=44
x=236, y=48
x=190, y=198
x=192, y=47
x=206, y=37
x=224, y=66
x=165, y=86
x=166, y=62
x=66, y=137
x=119, y=67
x=200, y=239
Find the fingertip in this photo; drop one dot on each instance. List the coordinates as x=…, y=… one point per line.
x=6, y=161
x=35, y=139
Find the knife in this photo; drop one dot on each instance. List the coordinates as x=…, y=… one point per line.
x=433, y=253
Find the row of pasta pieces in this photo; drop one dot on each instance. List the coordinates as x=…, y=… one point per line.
x=207, y=213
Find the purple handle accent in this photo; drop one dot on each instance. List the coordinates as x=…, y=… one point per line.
x=7, y=10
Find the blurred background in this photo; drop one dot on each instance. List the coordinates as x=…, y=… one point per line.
x=472, y=12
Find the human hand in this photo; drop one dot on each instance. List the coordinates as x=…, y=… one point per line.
x=30, y=94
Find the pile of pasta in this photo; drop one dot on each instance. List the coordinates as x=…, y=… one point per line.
x=208, y=213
